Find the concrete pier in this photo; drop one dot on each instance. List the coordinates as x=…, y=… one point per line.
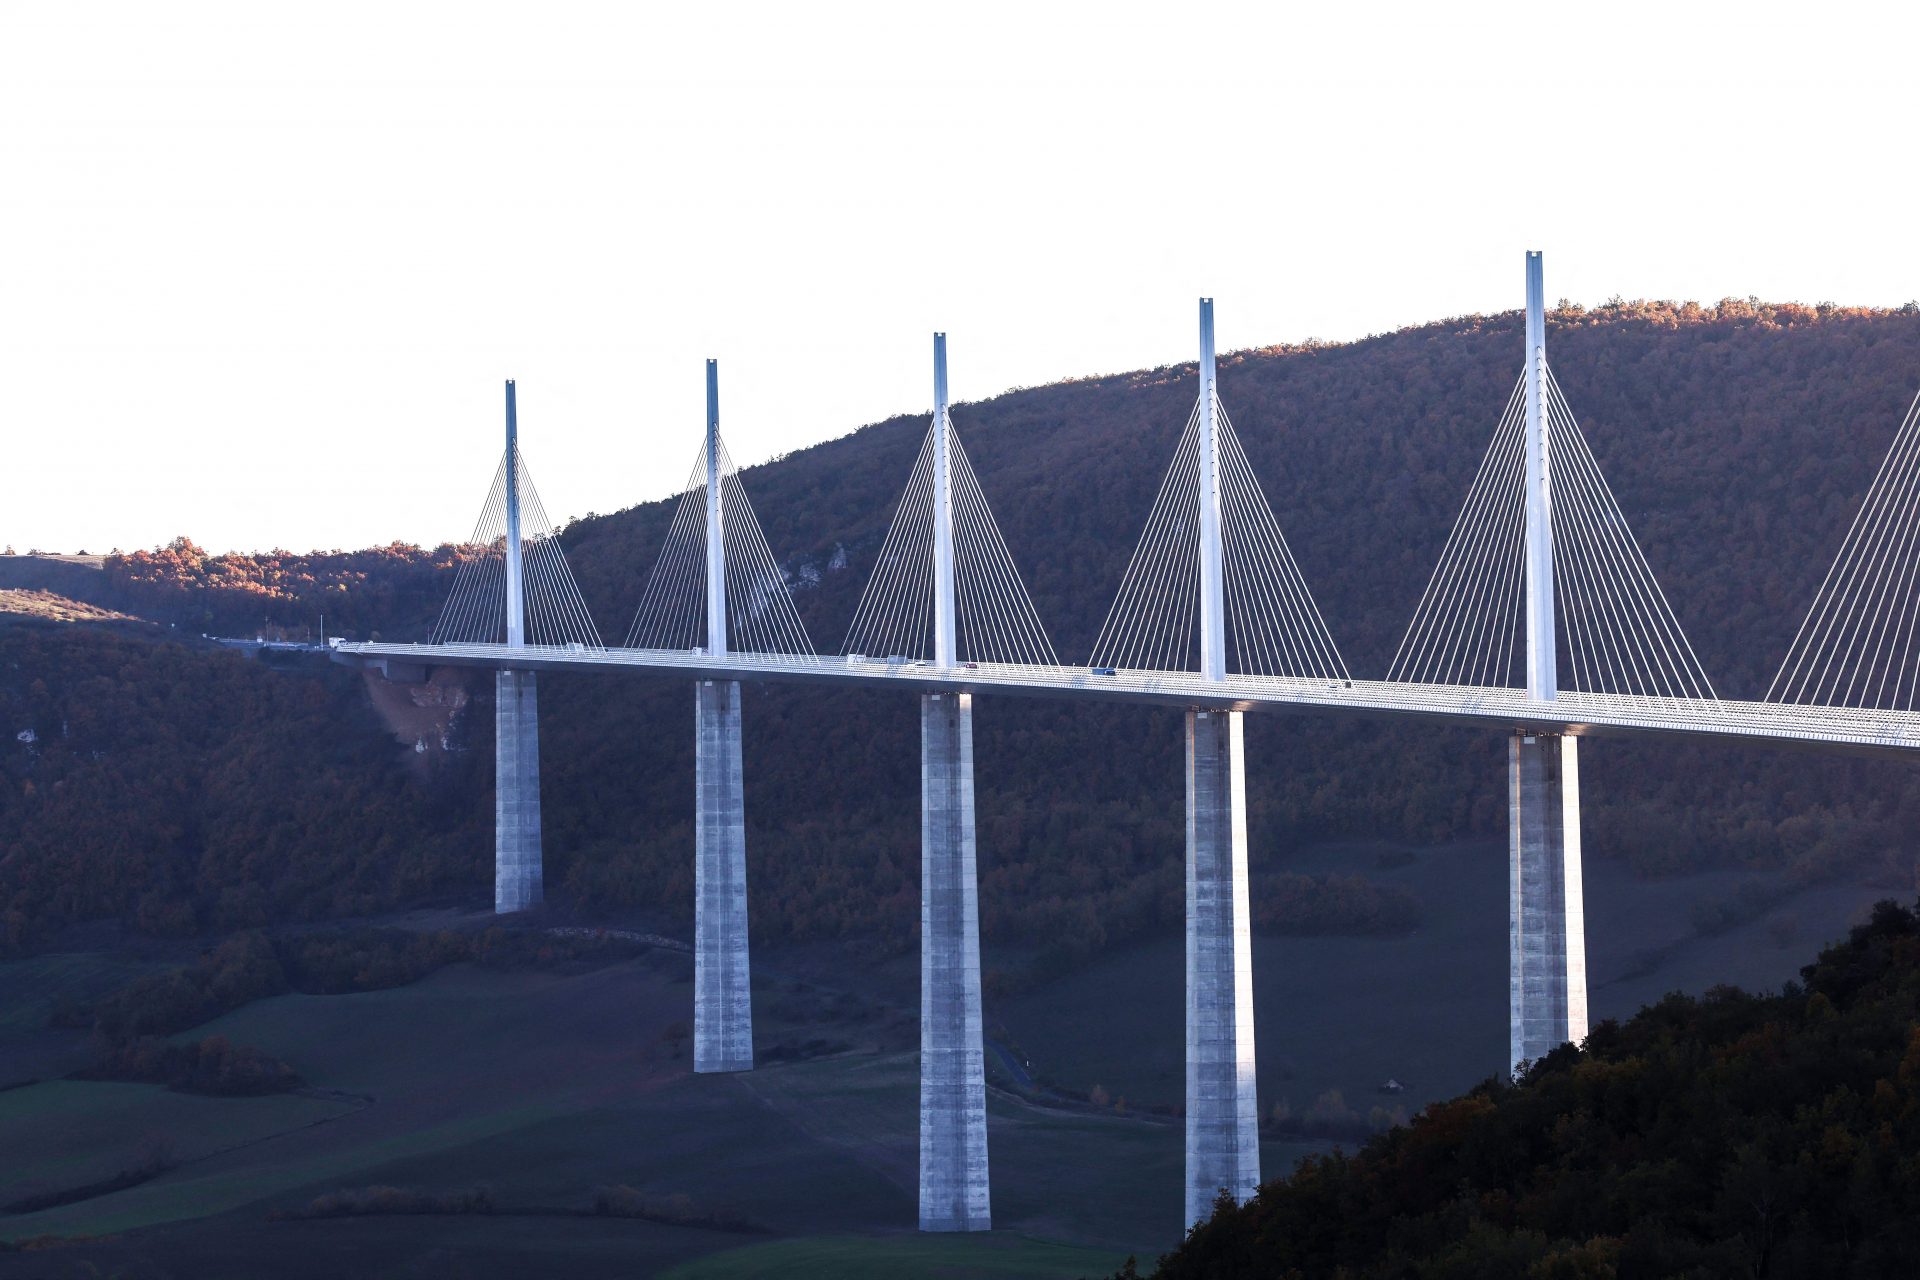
x=953, y=1085
x=722, y=995
x=1223, y=1110
x=1546, y=930
x=516, y=793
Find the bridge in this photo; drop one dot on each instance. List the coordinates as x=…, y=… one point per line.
x=1844, y=730
x=1542, y=620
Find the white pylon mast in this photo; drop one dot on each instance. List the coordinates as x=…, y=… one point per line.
x=716, y=522
x=1213, y=626
x=943, y=611
x=1543, y=680
x=516, y=595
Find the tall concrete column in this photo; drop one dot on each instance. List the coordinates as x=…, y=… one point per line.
x=517, y=877
x=953, y=1081
x=1223, y=1110
x=516, y=793
x=722, y=993
x=1546, y=929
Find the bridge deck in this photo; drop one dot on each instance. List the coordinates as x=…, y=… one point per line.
x=1845, y=729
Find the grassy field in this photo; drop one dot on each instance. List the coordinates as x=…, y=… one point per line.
x=542, y=1088
x=68, y=1133
x=30, y=990
x=450, y=1061
x=995, y=1253
x=1428, y=1009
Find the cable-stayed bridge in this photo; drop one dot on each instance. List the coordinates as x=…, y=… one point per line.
x=1543, y=619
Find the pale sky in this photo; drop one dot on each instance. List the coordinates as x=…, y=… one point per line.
x=263, y=268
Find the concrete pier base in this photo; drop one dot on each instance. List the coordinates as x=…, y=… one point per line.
x=1546, y=929
x=722, y=995
x=1223, y=1110
x=516, y=793
x=953, y=1082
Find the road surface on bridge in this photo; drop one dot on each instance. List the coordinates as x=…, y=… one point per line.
x=1844, y=729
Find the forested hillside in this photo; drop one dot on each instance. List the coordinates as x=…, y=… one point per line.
x=1730, y=1135
x=185, y=790
x=1738, y=439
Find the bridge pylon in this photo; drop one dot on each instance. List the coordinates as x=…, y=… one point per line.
x=1543, y=588
x=722, y=985
x=1223, y=1109
x=1213, y=589
x=944, y=596
x=1546, y=919
x=513, y=590
x=954, y=1187
x=517, y=858
x=717, y=591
